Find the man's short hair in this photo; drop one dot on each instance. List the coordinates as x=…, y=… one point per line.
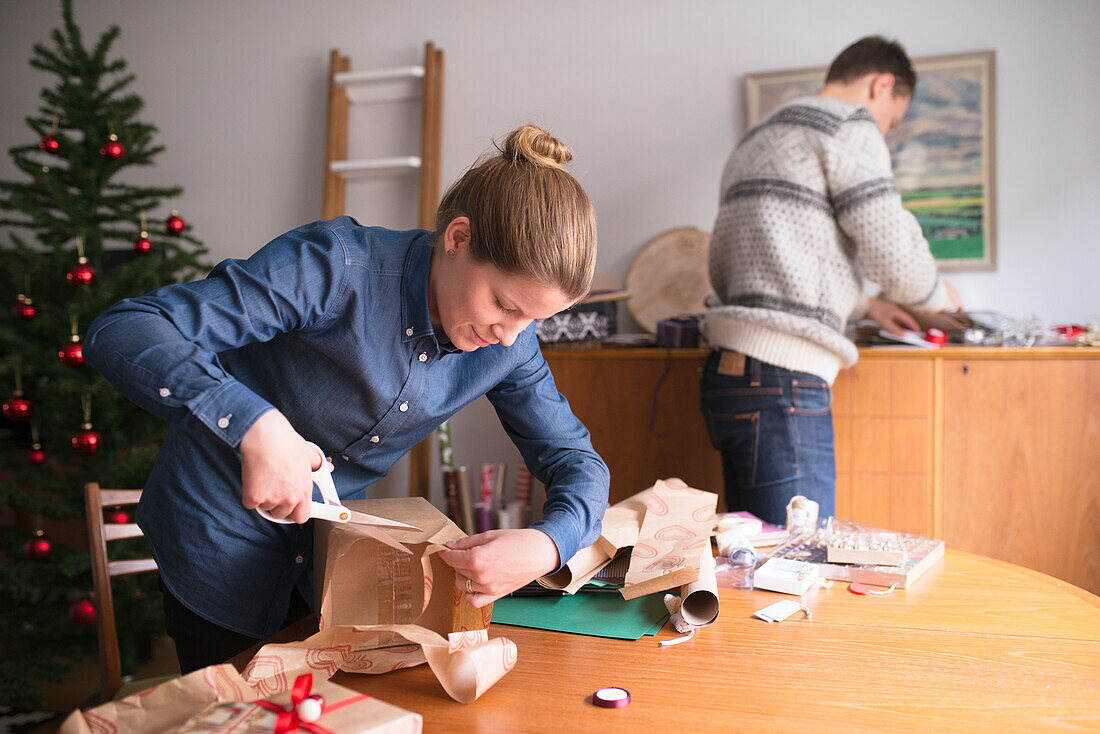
x=874, y=55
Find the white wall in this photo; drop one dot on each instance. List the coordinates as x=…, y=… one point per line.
x=648, y=94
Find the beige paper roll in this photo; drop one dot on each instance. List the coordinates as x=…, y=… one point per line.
x=578, y=572
x=699, y=599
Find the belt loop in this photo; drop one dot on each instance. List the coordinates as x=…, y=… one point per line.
x=754, y=379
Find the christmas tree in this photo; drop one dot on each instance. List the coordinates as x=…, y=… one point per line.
x=78, y=239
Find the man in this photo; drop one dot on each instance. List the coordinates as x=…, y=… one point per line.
x=809, y=209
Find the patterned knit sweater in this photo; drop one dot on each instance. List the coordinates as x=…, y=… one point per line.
x=809, y=208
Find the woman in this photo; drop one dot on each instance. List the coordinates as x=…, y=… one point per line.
x=361, y=340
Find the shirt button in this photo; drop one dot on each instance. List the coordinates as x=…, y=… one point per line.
x=345, y=457
x=298, y=558
x=223, y=422
x=374, y=439
x=404, y=407
x=165, y=392
x=408, y=332
x=423, y=357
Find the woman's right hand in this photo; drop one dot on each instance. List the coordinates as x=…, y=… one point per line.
x=275, y=468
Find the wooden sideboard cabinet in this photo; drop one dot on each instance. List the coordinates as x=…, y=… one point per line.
x=997, y=451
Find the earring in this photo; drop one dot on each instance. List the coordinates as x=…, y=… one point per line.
x=451, y=253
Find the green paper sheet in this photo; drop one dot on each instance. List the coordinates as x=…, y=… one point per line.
x=598, y=615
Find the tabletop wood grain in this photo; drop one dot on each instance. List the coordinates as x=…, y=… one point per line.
x=974, y=645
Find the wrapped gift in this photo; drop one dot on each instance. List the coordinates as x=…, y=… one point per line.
x=164, y=707
x=321, y=708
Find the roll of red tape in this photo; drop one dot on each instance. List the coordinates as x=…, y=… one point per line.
x=611, y=698
x=935, y=336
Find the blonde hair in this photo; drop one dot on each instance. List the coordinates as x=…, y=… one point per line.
x=527, y=215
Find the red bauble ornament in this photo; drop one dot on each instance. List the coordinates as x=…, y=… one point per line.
x=72, y=353
x=82, y=612
x=142, y=244
x=24, y=309
x=116, y=515
x=112, y=149
x=17, y=407
x=86, y=441
x=50, y=144
x=36, y=456
x=174, y=224
x=39, y=548
x=82, y=273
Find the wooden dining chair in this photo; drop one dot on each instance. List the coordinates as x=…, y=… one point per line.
x=104, y=569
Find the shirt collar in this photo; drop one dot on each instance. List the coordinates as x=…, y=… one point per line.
x=416, y=317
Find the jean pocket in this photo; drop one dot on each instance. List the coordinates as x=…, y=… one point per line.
x=757, y=445
x=810, y=396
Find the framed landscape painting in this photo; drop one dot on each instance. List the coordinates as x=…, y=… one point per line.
x=942, y=152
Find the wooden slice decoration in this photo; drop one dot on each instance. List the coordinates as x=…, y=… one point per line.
x=668, y=277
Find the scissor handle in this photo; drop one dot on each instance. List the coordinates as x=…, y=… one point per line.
x=323, y=479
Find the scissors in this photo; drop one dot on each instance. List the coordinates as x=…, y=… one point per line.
x=331, y=509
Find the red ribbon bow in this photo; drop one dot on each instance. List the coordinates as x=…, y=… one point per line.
x=289, y=720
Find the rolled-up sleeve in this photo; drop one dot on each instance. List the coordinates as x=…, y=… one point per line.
x=558, y=450
x=161, y=350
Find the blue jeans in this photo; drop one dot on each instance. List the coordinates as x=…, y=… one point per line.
x=774, y=428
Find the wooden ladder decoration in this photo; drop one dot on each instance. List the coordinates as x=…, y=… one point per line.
x=338, y=169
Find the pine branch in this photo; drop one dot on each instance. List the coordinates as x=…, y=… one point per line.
x=72, y=30
x=113, y=88
x=46, y=60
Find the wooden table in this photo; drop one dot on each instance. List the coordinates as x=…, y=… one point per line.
x=975, y=645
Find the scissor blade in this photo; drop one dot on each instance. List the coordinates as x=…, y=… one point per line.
x=362, y=518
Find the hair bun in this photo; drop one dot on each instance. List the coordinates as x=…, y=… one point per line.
x=535, y=145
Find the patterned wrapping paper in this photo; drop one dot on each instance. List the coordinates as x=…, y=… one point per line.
x=667, y=527
x=361, y=581
x=675, y=531
x=165, y=707
x=466, y=663
x=381, y=609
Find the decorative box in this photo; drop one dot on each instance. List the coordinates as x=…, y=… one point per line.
x=593, y=317
x=583, y=322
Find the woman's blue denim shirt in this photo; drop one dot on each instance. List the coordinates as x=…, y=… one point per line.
x=329, y=324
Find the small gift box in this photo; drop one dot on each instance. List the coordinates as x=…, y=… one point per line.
x=681, y=332
x=322, y=709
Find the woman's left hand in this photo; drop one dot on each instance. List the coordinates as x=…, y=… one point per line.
x=498, y=562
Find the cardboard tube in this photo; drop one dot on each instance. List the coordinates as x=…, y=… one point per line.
x=699, y=599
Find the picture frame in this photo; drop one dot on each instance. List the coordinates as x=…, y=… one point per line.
x=943, y=152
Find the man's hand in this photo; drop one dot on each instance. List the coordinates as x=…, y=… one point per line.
x=275, y=468
x=499, y=561
x=890, y=316
x=954, y=302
